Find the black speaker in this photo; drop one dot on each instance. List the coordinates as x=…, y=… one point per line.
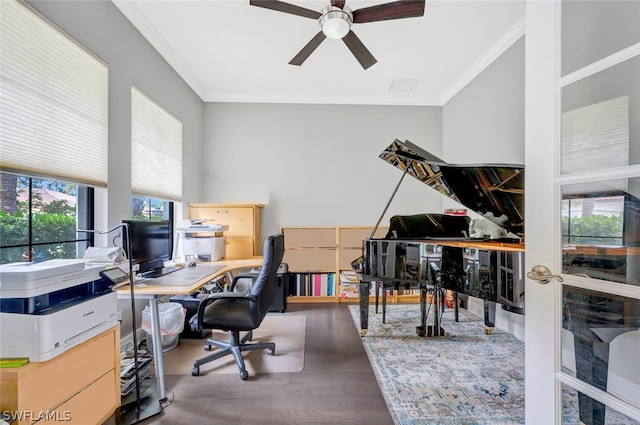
x=282, y=284
x=191, y=304
x=280, y=300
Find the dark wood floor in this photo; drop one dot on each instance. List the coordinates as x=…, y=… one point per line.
x=336, y=386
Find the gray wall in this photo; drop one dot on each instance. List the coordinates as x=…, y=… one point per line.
x=484, y=123
x=316, y=164
x=101, y=28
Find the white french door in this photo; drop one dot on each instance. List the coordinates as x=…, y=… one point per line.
x=582, y=161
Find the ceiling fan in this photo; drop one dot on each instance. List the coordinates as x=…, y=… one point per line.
x=336, y=19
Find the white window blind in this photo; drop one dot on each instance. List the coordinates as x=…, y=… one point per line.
x=596, y=136
x=156, y=149
x=53, y=101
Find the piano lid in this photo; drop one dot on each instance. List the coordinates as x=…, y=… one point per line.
x=486, y=189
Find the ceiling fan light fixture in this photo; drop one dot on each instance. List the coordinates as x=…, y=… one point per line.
x=336, y=22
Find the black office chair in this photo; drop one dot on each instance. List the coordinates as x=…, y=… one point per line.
x=240, y=311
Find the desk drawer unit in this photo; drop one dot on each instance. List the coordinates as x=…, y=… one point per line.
x=85, y=381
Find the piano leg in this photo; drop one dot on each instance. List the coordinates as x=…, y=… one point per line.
x=489, y=316
x=384, y=304
x=438, y=299
x=455, y=307
x=363, y=288
x=421, y=330
x=592, y=364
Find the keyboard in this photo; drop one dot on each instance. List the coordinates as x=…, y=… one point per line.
x=160, y=272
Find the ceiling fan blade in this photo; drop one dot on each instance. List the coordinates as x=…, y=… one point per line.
x=387, y=11
x=308, y=49
x=281, y=6
x=362, y=54
x=338, y=3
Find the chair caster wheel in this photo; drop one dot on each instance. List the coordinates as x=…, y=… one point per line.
x=271, y=351
x=244, y=375
x=195, y=371
x=207, y=347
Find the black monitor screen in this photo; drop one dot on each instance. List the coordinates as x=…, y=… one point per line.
x=150, y=240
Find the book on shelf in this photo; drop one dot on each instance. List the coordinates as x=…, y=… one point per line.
x=348, y=276
x=312, y=284
x=13, y=361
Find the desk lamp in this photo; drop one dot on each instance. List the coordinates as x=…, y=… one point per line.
x=142, y=408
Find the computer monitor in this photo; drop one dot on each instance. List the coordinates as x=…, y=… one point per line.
x=150, y=240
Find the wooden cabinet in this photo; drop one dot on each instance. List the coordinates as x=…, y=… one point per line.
x=310, y=249
x=80, y=386
x=310, y=254
x=244, y=221
x=327, y=250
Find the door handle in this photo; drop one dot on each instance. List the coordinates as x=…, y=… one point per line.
x=542, y=274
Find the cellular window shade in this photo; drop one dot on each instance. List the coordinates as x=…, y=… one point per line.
x=53, y=101
x=156, y=149
x=596, y=136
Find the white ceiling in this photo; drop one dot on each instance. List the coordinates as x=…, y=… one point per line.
x=230, y=51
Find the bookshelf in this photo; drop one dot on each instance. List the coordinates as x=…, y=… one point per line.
x=311, y=253
x=327, y=252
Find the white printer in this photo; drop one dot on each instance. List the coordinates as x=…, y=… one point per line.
x=202, y=240
x=48, y=307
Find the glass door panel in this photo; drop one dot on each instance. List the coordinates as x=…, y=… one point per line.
x=583, y=26
x=571, y=410
x=601, y=119
x=599, y=186
x=601, y=230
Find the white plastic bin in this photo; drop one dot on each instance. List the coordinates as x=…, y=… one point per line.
x=171, y=324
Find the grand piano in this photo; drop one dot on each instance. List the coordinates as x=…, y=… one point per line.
x=481, y=257
x=432, y=252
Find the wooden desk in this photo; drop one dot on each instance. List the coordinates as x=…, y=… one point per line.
x=174, y=284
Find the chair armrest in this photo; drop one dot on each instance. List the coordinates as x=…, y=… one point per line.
x=242, y=276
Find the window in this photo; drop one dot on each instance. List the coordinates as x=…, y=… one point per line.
x=151, y=209
x=39, y=218
x=156, y=149
x=53, y=131
x=53, y=101
x=593, y=221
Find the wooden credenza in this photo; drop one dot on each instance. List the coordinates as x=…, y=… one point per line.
x=80, y=386
x=325, y=250
x=244, y=221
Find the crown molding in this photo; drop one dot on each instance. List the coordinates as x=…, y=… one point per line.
x=512, y=35
x=329, y=100
x=140, y=23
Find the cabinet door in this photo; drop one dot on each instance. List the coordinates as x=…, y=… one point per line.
x=309, y=237
x=310, y=260
x=239, y=247
x=239, y=219
x=351, y=237
x=346, y=256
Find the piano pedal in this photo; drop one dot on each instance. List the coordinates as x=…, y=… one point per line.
x=433, y=331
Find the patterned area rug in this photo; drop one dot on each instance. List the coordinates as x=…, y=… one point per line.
x=465, y=377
